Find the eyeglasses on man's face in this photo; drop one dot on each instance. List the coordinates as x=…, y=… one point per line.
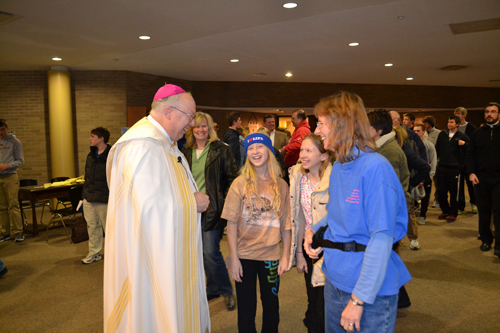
x=190, y=116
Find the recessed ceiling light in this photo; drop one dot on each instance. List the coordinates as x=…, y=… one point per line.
x=144, y=37
x=290, y=5
x=353, y=44
x=409, y=78
x=234, y=60
x=57, y=59
x=288, y=74
x=400, y=17
x=388, y=65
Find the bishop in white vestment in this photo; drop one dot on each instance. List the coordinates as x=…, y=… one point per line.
x=153, y=274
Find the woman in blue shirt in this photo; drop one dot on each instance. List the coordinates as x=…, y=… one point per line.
x=366, y=215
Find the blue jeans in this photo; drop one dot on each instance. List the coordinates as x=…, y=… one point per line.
x=377, y=317
x=215, y=268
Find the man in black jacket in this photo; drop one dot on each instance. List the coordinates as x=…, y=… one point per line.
x=450, y=149
x=232, y=136
x=468, y=129
x=483, y=166
x=95, y=192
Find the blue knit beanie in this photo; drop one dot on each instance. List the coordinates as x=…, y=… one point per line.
x=258, y=138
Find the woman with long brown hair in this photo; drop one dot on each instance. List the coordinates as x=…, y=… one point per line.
x=366, y=216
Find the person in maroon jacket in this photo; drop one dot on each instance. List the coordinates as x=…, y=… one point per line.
x=302, y=129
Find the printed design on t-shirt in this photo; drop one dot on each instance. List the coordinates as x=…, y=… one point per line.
x=273, y=277
x=255, y=215
x=354, y=197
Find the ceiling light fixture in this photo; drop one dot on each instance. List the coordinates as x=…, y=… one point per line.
x=144, y=37
x=288, y=74
x=400, y=17
x=409, y=79
x=234, y=60
x=290, y=5
x=388, y=65
x=353, y=44
x=57, y=59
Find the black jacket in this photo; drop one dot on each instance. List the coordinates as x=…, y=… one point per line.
x=449, y=152
x=220, y=171
x=483, y=153
x=232, y=138
x=419, y=168
x=95, y=188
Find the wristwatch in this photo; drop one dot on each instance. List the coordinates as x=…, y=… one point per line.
x=356, y=302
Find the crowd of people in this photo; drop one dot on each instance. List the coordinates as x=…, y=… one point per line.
x=335, y=203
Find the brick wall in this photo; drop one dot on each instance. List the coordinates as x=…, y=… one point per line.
x=23, y=103
x=99, y=100
x=286, y=95
x=141, y=87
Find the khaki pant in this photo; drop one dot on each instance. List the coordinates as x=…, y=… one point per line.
x=10, y=215
x=412, y=232
x=95, y=215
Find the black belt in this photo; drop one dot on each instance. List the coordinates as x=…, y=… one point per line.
x=346, y=247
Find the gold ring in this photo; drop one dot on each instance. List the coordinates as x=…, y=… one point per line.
x=351, y=324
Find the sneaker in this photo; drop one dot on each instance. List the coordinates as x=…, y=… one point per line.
x=421, y=220
x=414, y=244
x=485, y=247
x=461, y=212
x=435, y=205
x=91, y=258
x=416, y=208
x=451, y=218
x=4, y=238
x=474, y=209
x=442, y=216
x=230, y=302
x=19, y=237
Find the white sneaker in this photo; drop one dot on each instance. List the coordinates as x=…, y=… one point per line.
x=414, y=244
x=435, y=205
x=421, y=220
x=91, y=258
x=474, y=209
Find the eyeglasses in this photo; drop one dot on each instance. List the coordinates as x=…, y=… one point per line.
x=319, y=124
x=190, y=116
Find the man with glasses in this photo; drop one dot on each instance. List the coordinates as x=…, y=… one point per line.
x=153, y=269
x=483, y=166
x=302, y=129
x=11, y=158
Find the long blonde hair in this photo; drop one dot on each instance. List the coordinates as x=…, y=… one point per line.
x=212, y=134
x=274, y=173
x=316, y=140
x=349, y=125
x=401, y=135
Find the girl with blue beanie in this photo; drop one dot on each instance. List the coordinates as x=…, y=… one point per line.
x=258, y=214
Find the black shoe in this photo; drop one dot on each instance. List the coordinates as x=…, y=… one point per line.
x=230, y=302
x=485, y=247
x=497, y=253
x=212, y=296
x=3, y=272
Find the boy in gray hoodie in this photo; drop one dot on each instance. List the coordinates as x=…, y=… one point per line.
x=11, y=158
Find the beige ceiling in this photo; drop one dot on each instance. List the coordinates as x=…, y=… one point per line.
x=195, y=39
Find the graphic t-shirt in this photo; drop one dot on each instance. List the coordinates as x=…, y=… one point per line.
x=259, y=229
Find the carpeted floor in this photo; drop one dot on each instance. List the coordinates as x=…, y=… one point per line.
x=455, y=286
